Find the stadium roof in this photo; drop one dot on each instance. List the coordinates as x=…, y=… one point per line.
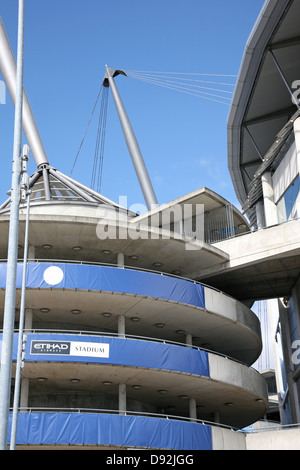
x=263, y=108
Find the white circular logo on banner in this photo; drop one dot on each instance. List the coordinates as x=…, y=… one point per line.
x=53, y=275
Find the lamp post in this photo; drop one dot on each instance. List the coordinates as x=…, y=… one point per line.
x=25, y=198
x=12, y=254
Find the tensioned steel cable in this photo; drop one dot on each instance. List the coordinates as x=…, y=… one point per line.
x=100, y=141
x=187, y=85
x=174, y=81
x=156, y=75
x=189, y=91
x=88, y=125
x=181, y=73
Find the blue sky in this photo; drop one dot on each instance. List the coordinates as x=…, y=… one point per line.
x=183, y=138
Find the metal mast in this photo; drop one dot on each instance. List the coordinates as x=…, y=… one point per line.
x=132, y=144
x=8, y=69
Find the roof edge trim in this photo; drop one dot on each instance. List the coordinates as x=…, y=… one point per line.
x=260, y=35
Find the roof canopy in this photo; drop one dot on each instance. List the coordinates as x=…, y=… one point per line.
x=262, y=105
x=48, y=184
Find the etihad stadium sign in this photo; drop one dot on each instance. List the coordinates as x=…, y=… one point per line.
x=70, y=348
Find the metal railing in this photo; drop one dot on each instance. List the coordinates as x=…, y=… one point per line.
x=247, y=430
x=130, y=337
x=123, y=266
x=219, y=224
x=270, y=427
x=125, y=413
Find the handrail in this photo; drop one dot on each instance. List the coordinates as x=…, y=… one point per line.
x=113, y=265
x=124, y=413
x=272, y=427
x=127, y=336
x=245, y=430
x=277, y=426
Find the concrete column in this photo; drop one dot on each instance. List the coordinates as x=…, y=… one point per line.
x=296, y=302
x=31, y=252
x=289, y=366
x=273, y=313
x=121, y=259
x=271, y=216
x=296, y=299
x=24, y=393
x=217, y=417
x=121, y=325
x=28, y=319
x=122, y=398
x=189, y=340
x=297, y=139
x=193, y=409
x=260, y=215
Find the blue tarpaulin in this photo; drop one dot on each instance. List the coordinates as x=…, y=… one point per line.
x=108, y=279
x=115, y=351
x=104, y=429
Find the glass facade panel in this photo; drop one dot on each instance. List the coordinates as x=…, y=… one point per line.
x=288, y=205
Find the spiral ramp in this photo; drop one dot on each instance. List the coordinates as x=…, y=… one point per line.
x=131, y=353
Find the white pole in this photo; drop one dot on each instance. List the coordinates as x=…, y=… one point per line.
x=21, y=320
x=12, y=254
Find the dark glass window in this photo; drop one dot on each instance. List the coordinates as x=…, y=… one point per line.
x=286, y=205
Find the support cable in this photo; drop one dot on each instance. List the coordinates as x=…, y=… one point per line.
x=145, y=75
x=189, y=92
x=175, y=82
x=100, y=141
x=187, y=85
x=182, y=73
x=88, y=125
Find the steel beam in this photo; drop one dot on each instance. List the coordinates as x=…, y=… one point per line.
x=283, y=78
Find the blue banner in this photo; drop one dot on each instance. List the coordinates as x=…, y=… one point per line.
x=108, y=279
x=115, y=430
x=115, y=351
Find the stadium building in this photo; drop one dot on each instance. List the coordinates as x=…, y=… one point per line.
x=138, y=329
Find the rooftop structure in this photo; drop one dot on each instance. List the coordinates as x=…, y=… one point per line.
x=265, y=105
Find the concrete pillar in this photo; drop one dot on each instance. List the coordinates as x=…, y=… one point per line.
x=296, y=300
x=121, y=259
x=189, y=340
x=297, y=139
x=289, y=366
x=28, y=319
x=271, y=216
x=24, y=393
x=122, y=398
x=217, y=417
x=121, y=325
x=31, y=252
x=260, y=215
x=273, y=313
x=193, y=409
